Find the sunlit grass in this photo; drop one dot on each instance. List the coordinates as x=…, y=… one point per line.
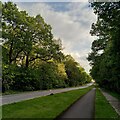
x=44, y=107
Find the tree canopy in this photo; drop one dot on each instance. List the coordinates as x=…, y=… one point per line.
x=105, y=55
x=32, y=57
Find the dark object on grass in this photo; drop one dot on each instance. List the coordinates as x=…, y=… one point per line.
x=51, y=94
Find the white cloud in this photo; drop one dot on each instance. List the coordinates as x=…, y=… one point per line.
x=72, y=26
x=45, y=0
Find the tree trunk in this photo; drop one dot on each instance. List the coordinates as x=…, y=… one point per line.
x=27, y=61
x=10, y=53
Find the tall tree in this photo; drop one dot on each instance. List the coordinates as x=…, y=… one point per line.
x=105, y=55
x=27, y=38
x=76, y=74
x=32, y=58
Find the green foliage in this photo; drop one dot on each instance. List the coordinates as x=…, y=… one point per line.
x=75, y=72
x=32, y=58
x=105, y=55
x=27, y=38
x=8, y=74
x=50, y=77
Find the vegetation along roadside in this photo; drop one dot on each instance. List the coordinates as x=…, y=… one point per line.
x=44, y=107
x=103, y=109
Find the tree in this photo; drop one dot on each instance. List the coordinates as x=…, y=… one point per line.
x=32, y=57
x=27, y=40
x=105, y=55
x=76, y=74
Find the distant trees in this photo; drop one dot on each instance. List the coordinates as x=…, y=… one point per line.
x=75, y=73
x=105, y=55
x=32, y=58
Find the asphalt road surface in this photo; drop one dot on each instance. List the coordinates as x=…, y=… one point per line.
x=7, y=99
x=83, y=108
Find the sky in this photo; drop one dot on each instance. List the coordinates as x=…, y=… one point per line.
x=71, y=22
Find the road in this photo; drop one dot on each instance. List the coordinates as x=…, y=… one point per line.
x=7, y=99
x=83, y=108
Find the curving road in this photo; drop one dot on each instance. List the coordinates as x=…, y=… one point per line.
x=7, y=99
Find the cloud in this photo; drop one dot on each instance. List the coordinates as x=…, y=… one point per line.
x=71, y=24
x=45, y=0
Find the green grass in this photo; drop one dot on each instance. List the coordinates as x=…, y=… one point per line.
x=44, y=107
x=0, y=112
x=102, y=107
x=114, y=94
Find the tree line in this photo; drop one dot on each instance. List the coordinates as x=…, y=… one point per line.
x=105, y=55
x=32, y=57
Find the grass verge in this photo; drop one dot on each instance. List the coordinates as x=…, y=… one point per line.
x=44, y=107
x=114, y=94
x=102, y=107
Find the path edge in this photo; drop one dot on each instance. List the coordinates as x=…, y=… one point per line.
x=110, y=103
x=58, y=116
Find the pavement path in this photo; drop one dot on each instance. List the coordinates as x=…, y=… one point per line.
x=115, y=103
x=83, y=108
x=7, y=99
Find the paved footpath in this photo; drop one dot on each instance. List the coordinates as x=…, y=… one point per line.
x=113, y=101
x=83, y=108
x=7, y=99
